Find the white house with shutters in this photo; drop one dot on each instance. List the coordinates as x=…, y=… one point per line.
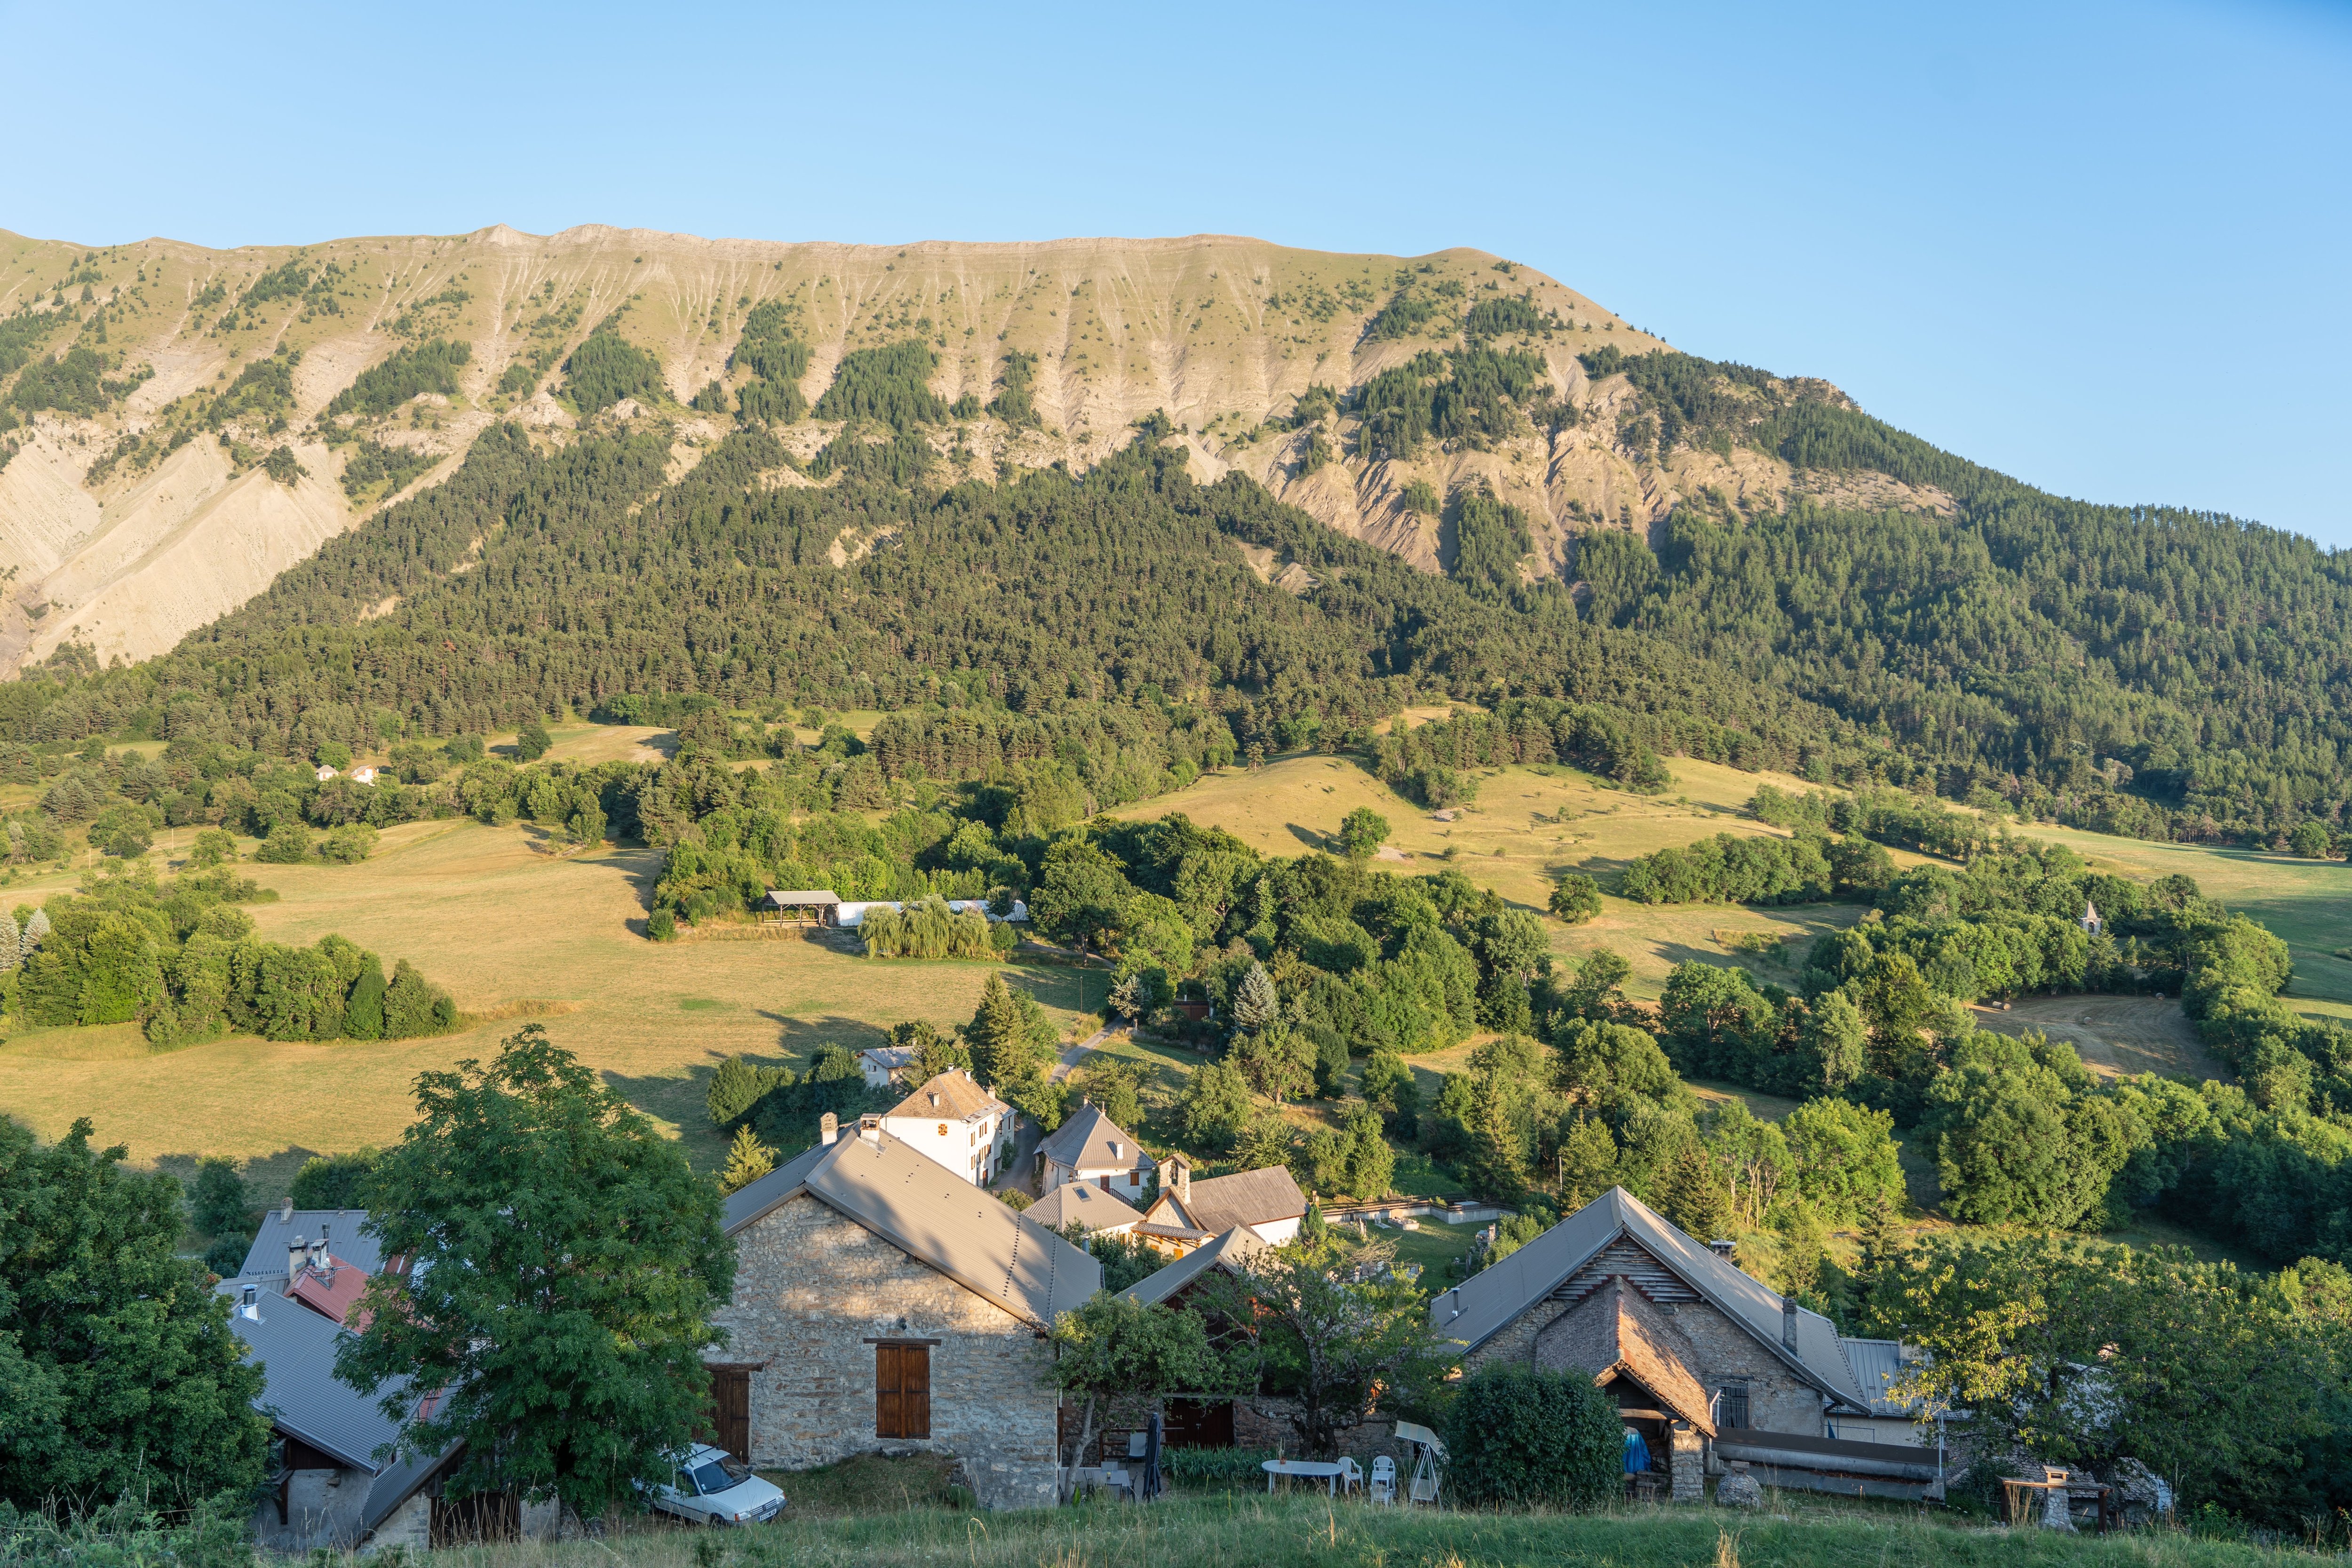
x=953, y=1120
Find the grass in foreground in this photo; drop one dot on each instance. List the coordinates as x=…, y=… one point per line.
x=1221, y=1531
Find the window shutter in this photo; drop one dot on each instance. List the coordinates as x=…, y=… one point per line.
x=915, y=1390
x=889, y=1401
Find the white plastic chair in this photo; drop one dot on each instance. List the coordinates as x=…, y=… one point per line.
x=1383, y=1486
x=1352, y=1475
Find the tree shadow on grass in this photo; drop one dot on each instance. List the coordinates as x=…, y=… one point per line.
x=268, y=1177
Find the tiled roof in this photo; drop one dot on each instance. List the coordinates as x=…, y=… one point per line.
x=951, y=1096
x=1083, y=1143
x=1482, y=1305
x=332, y=1291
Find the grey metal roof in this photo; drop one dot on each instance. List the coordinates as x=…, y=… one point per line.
x=1229, y=1252
x=804, y=898
x=748, y=1203
x=1876, y=1364
x=1090, y=1206
x=1083, y=1144
x=1246, y=1197
x=934, y=1215
x=1483, y=1304
x=346, y=1237
x=295, y=1348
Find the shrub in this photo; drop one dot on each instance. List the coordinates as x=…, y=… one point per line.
x=348, y=844
x=662, y=926
x=217, y=1206
x=332, y=1181
x=1198, y=1467
x=1577, y=899
x=288, y=844
x=1519, y=1436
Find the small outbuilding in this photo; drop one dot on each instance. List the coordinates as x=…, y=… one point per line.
x=819, y=905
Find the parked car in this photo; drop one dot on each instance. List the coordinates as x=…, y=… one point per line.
x=711, y=1486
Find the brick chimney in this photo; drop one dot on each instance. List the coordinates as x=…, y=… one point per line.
x=828, y=1128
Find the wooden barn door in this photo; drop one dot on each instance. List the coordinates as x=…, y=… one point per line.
x=727, y=1419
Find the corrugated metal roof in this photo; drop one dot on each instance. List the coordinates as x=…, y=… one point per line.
x=804, y=898
x=1482, y=1305
x=347, y=1239
x=295, y=1348
x=1094, y=1209
x=1083, y=1144
x=1876, y=1364
x=1229, y=1252
x=748, y=1203
x=1246, y=1198
x=937, y=1218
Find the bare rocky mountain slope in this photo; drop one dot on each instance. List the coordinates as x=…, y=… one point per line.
x=167, y=490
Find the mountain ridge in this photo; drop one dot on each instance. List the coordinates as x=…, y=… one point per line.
x=1224, y=333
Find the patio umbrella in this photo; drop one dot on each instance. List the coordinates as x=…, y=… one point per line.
x=1150, y=1486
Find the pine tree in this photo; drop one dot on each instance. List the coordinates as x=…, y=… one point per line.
x=36, y=930
x=1265, y=1141
x=748, y=1159
x=998, y=1035
x=1588, y=1165
x=11, y=952
x=1696, y=1198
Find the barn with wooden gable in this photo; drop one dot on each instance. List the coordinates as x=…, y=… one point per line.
x=1695, y=1352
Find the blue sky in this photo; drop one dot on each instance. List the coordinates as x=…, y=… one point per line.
x=2102, y=247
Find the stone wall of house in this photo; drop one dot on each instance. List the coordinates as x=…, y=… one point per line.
x=408, y=1528
x=1777, y=1399
x=811, y=1289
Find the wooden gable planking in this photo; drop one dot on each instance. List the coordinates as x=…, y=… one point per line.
x=1632, y=1260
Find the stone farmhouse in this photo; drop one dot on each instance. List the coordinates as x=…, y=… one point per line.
x=1090, y=1148
x=954, y=1121
x=884, y=1303
x=1708, y=1363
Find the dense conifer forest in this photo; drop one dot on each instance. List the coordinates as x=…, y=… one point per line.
x=2142, y=670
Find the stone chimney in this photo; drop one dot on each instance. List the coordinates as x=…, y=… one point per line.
x=1179, y=1177
x=1721, y=1249
x=1788, y=1324
x=297, y=1254
x=828, y=1128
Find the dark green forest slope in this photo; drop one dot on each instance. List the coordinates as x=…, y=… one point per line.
x=2141, y=670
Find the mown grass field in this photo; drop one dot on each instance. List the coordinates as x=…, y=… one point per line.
x=513, y=933
x=1243, y=1529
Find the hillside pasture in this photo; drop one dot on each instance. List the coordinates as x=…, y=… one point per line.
x=513, y=934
